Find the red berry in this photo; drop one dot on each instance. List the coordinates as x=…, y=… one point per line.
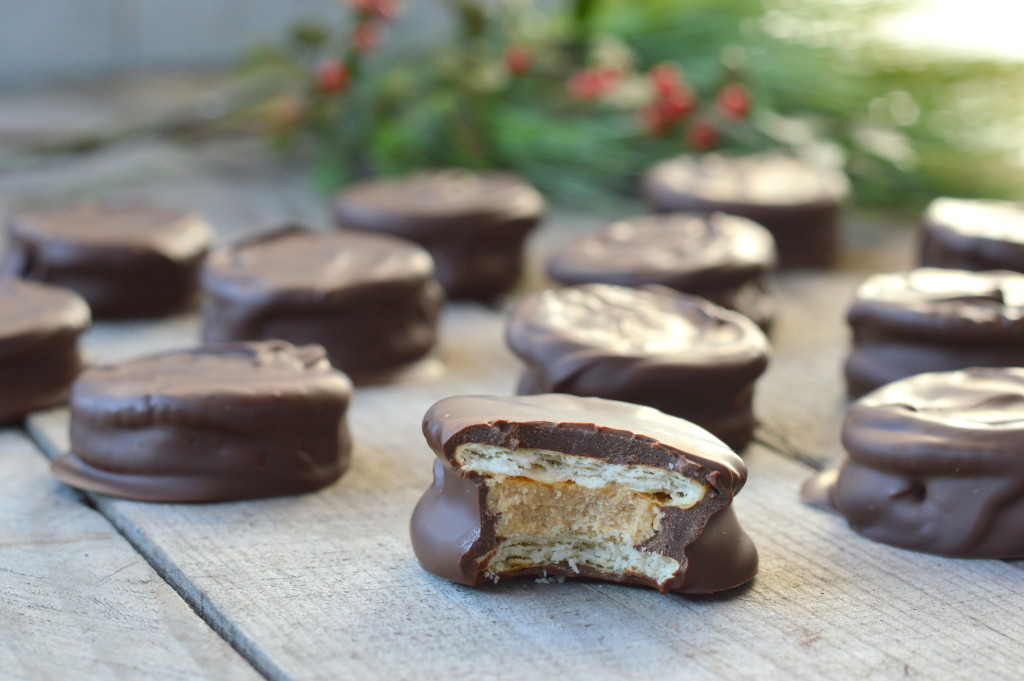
x=677, y=103
x=702, y=136
x=382, y=9
x=582, y=85
x=331, y=76
x=517, y=60
x=665, y=77
x=734, y=102
x=365, y=37
x=593, y=83
x=605, y=78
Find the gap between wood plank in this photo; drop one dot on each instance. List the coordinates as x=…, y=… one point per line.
x=80, y=547
x=811, y=462
x=638, y=602
x=192, y=592
x=114, y=342
x=168, y=571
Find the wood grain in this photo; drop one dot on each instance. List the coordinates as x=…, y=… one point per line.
x=77, y=601
x=801, y=399
x=323, y=585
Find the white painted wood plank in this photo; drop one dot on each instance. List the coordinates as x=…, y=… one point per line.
x=77, y=601
x=236, y=184
x=829, y=604
x=54, y=41
x=801, y=399
x=324, y=585
x=46, y=42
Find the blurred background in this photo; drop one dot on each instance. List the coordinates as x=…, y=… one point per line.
x=44, y=43
x=913, y=98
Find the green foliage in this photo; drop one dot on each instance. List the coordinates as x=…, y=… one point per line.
x=909, y=125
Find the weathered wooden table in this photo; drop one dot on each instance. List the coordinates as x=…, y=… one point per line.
x=325, y=586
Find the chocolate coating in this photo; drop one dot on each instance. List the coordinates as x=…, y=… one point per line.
x=723, y=258
x=934, y=464
x=370, y=299
x=452, y=530
x=125, y=259
x=39, y=356
x=215, y=423
x=654, y=346
x=933, y=320
x=474, y=225
x=800, y=205
x=973, y=234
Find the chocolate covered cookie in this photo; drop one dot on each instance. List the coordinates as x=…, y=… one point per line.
x=654, y=346
x=125, y=259
x=973, y=234
x=474, y=225
x=370, y=299
x=562, y=486
x=934, y=464
x=39, y=356
x=933, y=320
x=723, y=258
x=799, y=204
x=216, y=423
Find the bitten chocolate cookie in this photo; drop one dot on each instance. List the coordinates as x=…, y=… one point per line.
x=216, y=423
x=933, y=320
x=799, y=204
x=39, y=357
x=653, y=346
x=563, y=486
x=723, y=258
x=125, y=259
x=473, y=225
x=934, y=464
x=973, y=234
x=370, y=299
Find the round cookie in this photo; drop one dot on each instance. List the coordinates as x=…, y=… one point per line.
x=215, y=423
x=973, y=234
x=474, y=225
x=723, y=258
x=126, y=259
x=799, y=204
x=564, y=486
x=933, y=320
x=370, y=299
x=39, y=356
x=934, y=464
x=653, y=346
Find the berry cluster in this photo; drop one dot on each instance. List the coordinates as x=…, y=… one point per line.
x=672, y=106
x=332, y=75
x=674, y=101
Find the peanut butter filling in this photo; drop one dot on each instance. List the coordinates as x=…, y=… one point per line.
x=553, y=508
x=529, y=508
